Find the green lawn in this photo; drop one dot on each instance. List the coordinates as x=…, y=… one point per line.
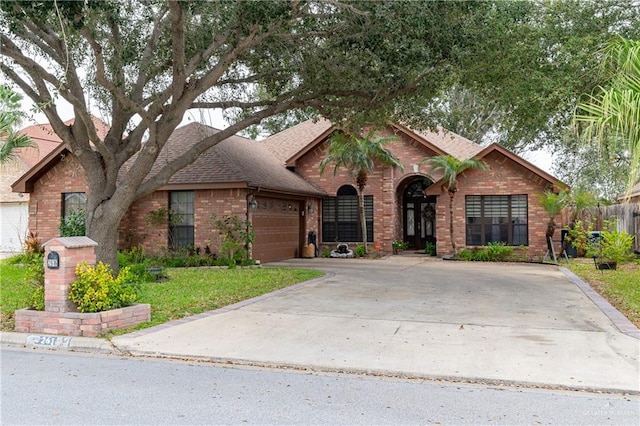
x=620, y=287
x=191, y=291
x=14, y=292
x=188, y=291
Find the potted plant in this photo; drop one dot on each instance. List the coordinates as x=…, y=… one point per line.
x=612, y=248
x=398, y=246
x=430, y=249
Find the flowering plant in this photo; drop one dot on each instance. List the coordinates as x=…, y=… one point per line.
x=399, y=245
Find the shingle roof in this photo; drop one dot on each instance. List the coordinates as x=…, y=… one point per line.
x=48, y=140
x=289, y=142
x=451, y=143
x=234, y=160
x=293, y=140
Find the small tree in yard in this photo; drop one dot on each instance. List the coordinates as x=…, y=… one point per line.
x=235, y=237
x=552, y=203
x=451, y=167
x=359, y=156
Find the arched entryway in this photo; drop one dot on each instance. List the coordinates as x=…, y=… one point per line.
x=418, y=214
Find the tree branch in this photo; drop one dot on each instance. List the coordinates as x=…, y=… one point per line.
x=177, y=48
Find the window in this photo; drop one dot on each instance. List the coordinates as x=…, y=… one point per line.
x=340, y=218
x=496, y=218
x=181, y=205
x=73, y=202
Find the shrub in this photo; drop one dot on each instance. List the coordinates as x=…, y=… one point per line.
x=236, y=235
x=359, y=251
x=399, y=245
x=613, y=245
x=32, y=244
x=498, y=251
x=138, y=263
x=579, y=236
x=73, y=224
x=96, y=289
x=493, y=252
x=430, y=248
x=34, y=277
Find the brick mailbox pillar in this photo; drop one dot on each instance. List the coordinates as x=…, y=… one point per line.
x=60, y=315
x=60, y=259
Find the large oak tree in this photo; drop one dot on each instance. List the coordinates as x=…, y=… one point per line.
x=145, y=63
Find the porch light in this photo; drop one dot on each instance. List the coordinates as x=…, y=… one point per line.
x=253, y=203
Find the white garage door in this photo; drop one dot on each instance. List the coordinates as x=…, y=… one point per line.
x=14, y=220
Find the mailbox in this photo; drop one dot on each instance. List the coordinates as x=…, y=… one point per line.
x=53, y=260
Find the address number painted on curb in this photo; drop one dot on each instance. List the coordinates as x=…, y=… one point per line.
x=49, y=341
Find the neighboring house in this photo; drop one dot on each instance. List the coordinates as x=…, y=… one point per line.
x=633, y=196
x=276, y=185
x=14, y=207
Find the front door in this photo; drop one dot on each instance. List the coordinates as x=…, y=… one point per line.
x=418, y=216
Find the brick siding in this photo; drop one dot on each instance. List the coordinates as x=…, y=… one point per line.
x=80, y=324
x=385, y=185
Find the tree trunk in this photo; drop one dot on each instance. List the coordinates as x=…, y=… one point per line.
x=453, y=243
x=107, y=239
x=363, y=218
x=103, y=223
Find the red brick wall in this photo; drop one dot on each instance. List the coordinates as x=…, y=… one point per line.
x=45, y=208
x=136, y=231
x=45, y=203
x=386, y=185
x=505, y=177
x=80, y=324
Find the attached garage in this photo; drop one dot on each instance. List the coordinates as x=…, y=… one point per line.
x=277, y=227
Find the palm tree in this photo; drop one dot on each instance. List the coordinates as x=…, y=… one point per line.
x=614, y=112
x=451, y=167
x=359, y=155
x=10, y=118
x=552, y=203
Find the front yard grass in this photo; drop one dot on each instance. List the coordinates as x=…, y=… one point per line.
x=15, y=292
x=188, y=291
x=620, y=287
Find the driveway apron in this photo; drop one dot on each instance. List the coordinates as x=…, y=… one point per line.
x=417, y=317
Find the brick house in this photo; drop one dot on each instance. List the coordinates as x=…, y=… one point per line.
x=14, y=206
x=277, y=186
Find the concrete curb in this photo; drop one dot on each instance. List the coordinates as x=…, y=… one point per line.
x=48, y=341
x=96, y=344
x=227, y=362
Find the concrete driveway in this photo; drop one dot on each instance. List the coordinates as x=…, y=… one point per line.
x=418, y=317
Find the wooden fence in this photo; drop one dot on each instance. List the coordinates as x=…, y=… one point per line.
x=627, y=217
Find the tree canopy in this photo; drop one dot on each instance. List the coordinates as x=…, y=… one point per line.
x=143, y=64
x=529, y=64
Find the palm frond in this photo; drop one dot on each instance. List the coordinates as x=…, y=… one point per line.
x=614, y=111
x=14, y=141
